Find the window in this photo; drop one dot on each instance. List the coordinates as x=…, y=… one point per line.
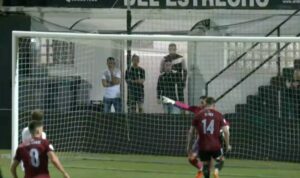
x=52, y=52
x=261, y=52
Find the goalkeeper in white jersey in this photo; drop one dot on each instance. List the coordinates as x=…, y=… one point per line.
x=36, y=115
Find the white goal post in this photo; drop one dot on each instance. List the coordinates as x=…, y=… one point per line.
x=225, y=48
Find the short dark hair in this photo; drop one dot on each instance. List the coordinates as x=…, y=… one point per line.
x=110, y=59
x=33, y=125
x=210, y=101
x=172, y=44
x=134, y=55
x=37, y=115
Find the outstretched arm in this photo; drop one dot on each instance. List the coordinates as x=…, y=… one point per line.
x=179, y=104
x=184, y=106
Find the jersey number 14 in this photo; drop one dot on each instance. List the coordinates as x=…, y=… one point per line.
x=208, y=127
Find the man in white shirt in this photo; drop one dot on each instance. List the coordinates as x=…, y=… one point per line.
x=36, y=115
x=111, y=79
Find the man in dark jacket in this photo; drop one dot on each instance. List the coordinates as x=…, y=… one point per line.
x=135, y=78
x=166, y=86
x=178, y=65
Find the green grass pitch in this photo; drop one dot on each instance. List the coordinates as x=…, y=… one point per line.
x=141, y=166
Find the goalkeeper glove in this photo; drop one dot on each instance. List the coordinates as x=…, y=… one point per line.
x=167, y=100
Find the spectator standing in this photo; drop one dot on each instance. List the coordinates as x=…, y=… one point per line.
x=295, y=86
x=166, y=86
x=135, y=78
x=111, y=79
x=178, y=65
x=292, y=106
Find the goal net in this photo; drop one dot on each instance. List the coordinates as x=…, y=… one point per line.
x=90, y=109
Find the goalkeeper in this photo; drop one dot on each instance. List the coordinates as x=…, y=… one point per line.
x=193, y=155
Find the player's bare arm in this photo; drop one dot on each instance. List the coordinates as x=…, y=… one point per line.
x=13, y=168
x=227, y=137
x=190, y=136
x=55, y=161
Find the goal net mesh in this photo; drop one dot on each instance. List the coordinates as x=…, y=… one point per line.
x=64, y=76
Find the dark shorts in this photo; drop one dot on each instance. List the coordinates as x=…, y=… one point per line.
x=207, y=155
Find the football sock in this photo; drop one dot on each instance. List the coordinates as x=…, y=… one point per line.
x=206, y=171
x=219, y=164
x=197, y=164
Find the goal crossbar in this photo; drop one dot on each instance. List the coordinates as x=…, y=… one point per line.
x=155, y=37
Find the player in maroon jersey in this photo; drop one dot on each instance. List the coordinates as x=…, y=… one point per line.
x=35, y=153
x=208, y=123
x=193, y=153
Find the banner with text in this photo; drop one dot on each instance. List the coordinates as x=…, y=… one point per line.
x=162, y=4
